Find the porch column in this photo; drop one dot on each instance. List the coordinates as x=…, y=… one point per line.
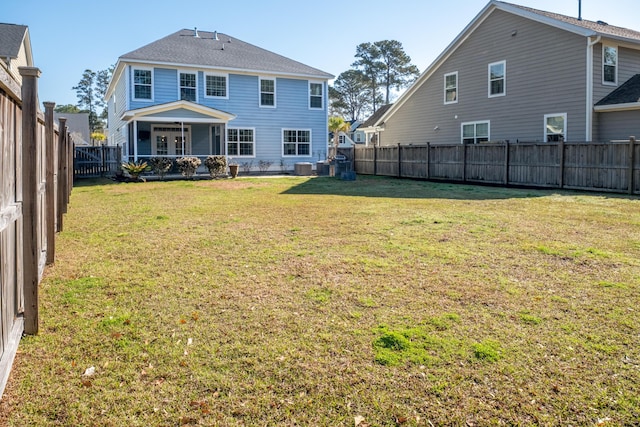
x=135, y=141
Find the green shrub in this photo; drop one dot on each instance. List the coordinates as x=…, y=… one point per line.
x=134, y=169
x=216, y=165
x=188, y=165
x=160, y=165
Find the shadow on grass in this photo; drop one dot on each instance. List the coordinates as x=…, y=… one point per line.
x=377, y=186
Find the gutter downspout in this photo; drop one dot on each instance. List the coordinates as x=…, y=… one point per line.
x=589, y=106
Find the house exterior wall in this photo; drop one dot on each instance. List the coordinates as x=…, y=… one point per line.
x=116, y=106
x=545, y=74
x=291, y=111
x=619, y=125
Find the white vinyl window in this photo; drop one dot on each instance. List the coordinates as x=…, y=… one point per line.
x=241, y=142
x=555, y=127
x=316, y=95
x=142, y=84
x=216, y=86
x=451, y=88
x=296, y=142
x=188, y=85
x=267, y=92
x=497, y=79
x=475, y=132
x=610, y=65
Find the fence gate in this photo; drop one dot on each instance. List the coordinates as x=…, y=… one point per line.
x=91, y=162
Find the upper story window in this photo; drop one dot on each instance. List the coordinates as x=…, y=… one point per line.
x=451, y=88
x=216, y=86
x=610, y=65
x=555, y=127
x=315, y=95
x=188, y=84
x=142, y=84
x=498, y=79
x=296, y=142
x=267, y=92
x=475, y=132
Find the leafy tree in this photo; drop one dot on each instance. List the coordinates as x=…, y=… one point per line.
x=91, y=90
x=398, y=72
x=98, y=137
x=85, y=92
x=385, y=64
x=368, y=56
x=350, y=95
x=337, y=125
x=67, y=108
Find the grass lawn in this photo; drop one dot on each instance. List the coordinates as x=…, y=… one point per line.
x=296, y=301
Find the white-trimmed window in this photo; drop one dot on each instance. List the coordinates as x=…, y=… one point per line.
x=497, y=79
x=188, y=84
x=267, y=92
x=475, y=132
x=216, y=86
x=555, y=127
x=241, y=142
x=143, y=84
x=609, y=65
x=316, y=100
x=296, y=142
x=451, y=88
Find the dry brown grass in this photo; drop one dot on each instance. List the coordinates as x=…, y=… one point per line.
x=301, y=301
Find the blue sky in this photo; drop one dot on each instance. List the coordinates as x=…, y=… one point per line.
x=70, y=36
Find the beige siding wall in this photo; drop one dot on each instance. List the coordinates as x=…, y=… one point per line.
x=619, y=125
x=546, y=74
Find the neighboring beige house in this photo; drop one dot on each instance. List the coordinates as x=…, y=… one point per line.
x=15, y=49
x=521, y=74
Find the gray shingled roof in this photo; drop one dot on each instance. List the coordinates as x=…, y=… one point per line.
x=11, y=37
x=599, y=27
x=371, y=121
x=627, y=93
x=218, y=50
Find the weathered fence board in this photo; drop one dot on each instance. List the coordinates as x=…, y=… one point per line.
x=26, y=194
x=594, y=166
x=91, y=162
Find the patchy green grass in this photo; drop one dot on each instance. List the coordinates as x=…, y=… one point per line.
x=297, y=301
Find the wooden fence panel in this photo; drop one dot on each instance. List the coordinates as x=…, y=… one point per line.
x=387, y=161
x=608, y=166
x=485, y=163
x=414, y=160
x=91, y=162
x=446, y=162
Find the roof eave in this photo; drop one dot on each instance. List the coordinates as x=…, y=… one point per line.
x=466, y=32
x=130, y=115
x=322, y=76
x=629, y=106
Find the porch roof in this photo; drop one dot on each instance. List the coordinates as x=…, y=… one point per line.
x=181, y=111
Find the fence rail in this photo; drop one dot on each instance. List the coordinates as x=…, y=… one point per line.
x=34, y=157
x=609, y=166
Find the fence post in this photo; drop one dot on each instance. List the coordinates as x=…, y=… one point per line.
x=62, y=128
x=428, y=159
x=506, y=163
x=30, y=159
x=375, y=160
x=561, y=161
x=464, y=162
x=399, y=161
x=632, y=161
x=49, y=186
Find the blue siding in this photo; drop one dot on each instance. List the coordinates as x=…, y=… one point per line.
x=292, y=112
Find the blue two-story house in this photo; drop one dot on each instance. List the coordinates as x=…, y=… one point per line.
x=204, y=93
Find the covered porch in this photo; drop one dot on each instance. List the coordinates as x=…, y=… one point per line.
x=175, y=130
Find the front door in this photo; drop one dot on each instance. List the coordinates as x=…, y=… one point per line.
x=171, y=141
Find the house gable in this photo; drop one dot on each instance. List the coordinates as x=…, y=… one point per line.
x=15, y=49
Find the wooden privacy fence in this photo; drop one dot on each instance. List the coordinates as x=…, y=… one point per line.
x=609, y=166
x=34, y=191
x=91, y=162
